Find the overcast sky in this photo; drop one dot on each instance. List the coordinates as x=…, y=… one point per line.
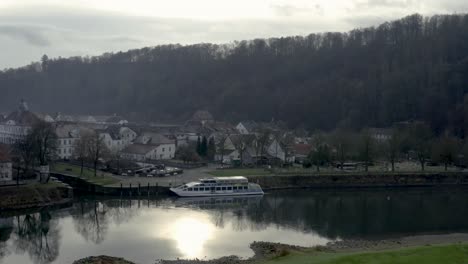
x=31, y=28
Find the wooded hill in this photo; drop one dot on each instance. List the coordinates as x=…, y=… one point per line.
x=414, y=68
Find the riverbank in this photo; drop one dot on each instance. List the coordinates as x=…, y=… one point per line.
x=34, y=195
x=361, y=180
x=447, y=249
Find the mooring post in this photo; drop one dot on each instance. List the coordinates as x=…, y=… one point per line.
x=147, y=190
x=120, y=189
x=139, y=193
x=130, y=190
x=157, y=189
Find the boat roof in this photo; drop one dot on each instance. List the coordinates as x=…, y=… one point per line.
x=230, y=178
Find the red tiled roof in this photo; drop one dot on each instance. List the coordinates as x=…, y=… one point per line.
x=302, y=149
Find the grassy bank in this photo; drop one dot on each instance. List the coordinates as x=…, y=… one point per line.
x=32, y=195
x=239, y=172
x=448, y=254
x=102, y=178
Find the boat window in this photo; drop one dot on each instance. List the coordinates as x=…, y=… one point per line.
x=245, y=187
x=234, y=188
x=189, y=189
x=223, y=188
x=195, y=189
x=218, y=188
x=229, y=188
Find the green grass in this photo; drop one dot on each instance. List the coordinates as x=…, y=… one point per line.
x=449, y=254
x=102, y=178
x=239, y=172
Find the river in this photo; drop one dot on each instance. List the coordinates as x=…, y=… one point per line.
x=167, y=228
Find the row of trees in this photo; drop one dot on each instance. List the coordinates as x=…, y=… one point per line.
x=415, y=142
x=36, y=149
x=39, y=148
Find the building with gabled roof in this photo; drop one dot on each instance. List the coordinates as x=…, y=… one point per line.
x=17, y=124
x=117, y=138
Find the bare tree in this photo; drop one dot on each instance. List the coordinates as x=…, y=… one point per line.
x=221, y=145
x=24, y=150
x=445, y=150
x=81, y=147
x=341, y=141
x=263, y=140
x=366, y=148
x=241, y=143
x=44, y=142
x=420, y=136
x=96, y=150
x=392, y=147
x=321, y=151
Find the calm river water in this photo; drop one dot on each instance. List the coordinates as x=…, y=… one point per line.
x=146, y=230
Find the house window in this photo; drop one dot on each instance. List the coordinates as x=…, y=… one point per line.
x=163, y=149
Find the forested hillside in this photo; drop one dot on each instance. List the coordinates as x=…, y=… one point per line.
x=413, y=68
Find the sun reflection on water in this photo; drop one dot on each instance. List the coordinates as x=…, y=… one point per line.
x=191, y=234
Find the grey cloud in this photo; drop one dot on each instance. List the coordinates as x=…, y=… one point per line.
x=387, y=3
x=365, y=21
x=291, y=10
x=32, y=35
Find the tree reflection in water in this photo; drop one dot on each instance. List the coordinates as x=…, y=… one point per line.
x=6, y=228
x=92, y=217
x=38, y=236
x=330, y=214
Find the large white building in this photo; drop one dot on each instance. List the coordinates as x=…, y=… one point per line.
x=17, y=124
x=117, y=138
x=150, y=146
x=67, y=135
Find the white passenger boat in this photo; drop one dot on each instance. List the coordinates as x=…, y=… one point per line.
x=218, y=186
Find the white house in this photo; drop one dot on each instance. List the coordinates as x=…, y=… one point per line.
x=117, y=138
x=247, y=127
x=66, y=139
x=150, y=146
x=142, y=152
x=17, y=124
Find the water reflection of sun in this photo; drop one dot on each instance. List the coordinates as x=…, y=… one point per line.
x=191, y=235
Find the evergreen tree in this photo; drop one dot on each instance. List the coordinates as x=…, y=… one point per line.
x=204, y=147
x=199, y=148
x=211, y=151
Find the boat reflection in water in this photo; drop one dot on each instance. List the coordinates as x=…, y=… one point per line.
x=219, y=202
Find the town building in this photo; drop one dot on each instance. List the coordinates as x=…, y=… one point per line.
x=150, y=146
x=380, y=134
x=6, y=167
x=67, y=135
x=17, y=124
x=117, y=138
